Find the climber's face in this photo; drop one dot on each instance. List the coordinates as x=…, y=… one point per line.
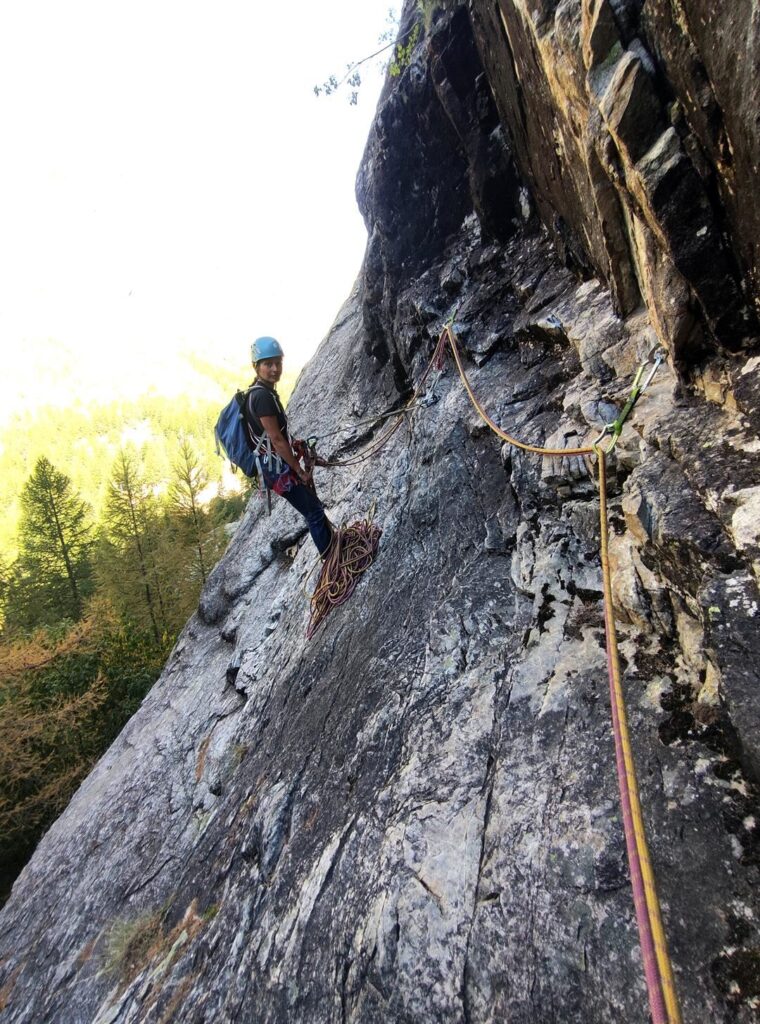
x=269, y=370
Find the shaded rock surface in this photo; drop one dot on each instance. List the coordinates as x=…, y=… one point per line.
x=415, y=815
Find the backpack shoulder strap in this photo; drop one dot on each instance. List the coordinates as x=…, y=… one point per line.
x=242, y=400
x=262, y=444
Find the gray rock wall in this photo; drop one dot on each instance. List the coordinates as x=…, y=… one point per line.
x=634, y=124
x=414, y=816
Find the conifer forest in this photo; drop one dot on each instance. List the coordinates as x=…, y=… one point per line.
x=111, y=517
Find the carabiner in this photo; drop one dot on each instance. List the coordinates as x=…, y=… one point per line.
x=430, y=397
x=609, y=428
x=656, y=357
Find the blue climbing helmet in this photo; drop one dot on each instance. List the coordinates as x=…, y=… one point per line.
x=265, y=348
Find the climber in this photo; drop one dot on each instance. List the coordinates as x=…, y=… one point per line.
x=277, y=462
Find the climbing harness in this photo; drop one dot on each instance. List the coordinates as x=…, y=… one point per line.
x=272, y=470
x=353, y=552
x=262, y=445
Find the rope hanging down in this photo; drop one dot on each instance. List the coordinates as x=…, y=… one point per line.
x=658, y=971
x=663, y=1000
x=354, y=550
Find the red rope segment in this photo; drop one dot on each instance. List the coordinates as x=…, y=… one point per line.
x=663, y=999
x=351, y=553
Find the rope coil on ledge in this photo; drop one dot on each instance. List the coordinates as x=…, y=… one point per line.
x=351, y=553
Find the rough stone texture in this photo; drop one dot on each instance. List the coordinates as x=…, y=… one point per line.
x=414, y=817
x=635, y=126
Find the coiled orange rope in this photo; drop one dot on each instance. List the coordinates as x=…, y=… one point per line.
x=351, y=553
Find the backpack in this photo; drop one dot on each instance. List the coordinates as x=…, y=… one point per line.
x=233, y=434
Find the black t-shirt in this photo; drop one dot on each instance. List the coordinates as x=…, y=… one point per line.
x=264, y=401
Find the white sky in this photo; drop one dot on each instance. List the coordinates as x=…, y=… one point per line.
x=169, y=178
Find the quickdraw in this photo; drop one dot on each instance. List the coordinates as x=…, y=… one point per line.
x=418, y=401
x=655, y=359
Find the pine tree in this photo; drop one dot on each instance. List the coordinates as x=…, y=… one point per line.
x=190, y=480
x=127, y=559
x=53, y=570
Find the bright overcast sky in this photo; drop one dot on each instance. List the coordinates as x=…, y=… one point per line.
x=169, y=178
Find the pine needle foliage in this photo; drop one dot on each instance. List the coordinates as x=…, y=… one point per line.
x=189, y=482
x=53, y=573
x=128, y=569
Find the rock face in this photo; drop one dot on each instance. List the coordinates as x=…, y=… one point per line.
x=633, y=122
x=415, y=816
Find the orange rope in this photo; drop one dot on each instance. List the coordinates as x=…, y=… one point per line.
x=663, y=999
x=352, y=554
x=589, y=450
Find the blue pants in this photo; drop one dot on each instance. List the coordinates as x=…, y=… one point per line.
x=305, y=501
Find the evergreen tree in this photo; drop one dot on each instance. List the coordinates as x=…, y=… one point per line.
x=52, y=575
x=128, y=569
x=63, y=699
x=190, y=480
